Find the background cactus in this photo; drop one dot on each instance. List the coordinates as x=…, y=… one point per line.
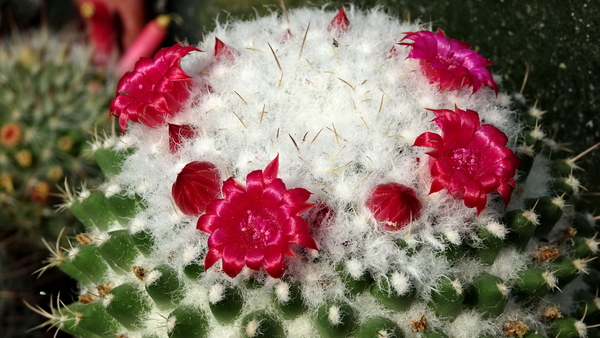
x=52, y=100
x=342, y=106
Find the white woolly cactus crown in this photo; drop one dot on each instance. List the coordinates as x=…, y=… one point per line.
x=342, y=119
x=341, y=109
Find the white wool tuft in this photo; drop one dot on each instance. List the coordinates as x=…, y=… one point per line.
x=100, y=237
x=383, y=334
x=400, y=283
x=171, y=322
x=354, y=268
x=111, y=189
x=73, y=252
x=282, y=290
x=550, y=279
x=508, y=263
x=334, y=315
x=252, y=328
x=152, y=277
x=457, y=285
x=216, y=293
x=581, y=328
x=469, y=324
x=497, y=229
x=107, y=300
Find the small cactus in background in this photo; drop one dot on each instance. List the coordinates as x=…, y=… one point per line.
x=390, y=191
x=52, y=100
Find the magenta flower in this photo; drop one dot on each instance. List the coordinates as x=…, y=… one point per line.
x=255, y=226
x=449, y=62
x=394, y=205
x=224, y=52
x=340, y=23
x=178, y=134
x=469, y=159
x=154, y=90
x=197, y=184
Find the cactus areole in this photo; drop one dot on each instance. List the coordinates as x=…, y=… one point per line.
x=317, y=175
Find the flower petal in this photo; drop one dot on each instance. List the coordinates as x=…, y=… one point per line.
x=232, y=260
x=212, y=256
x=254, y=258
x=271, y=170
x=220, y=237
x=178, y=134
x=274, y=262
x=255, y=185
x=273, y=192
x=295, y=225
x=340, y=23
x=470, y=159
x=394, y=205
x=209, y=223
x=197, y=184
x=305, y=240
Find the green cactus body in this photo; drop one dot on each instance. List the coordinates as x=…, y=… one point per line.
x=225, y=303
x=128, y=305
x=379, y=327
x=335, y=320
x=187, y=321
x=447, y=298
x=288, y=298
x=488, y=294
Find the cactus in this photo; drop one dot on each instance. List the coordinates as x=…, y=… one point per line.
x=52, y=99
x=381, y=194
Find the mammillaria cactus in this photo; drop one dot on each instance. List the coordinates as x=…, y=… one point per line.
x=316, y=175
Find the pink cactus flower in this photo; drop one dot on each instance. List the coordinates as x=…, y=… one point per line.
x=394, y=205
x=449, y=62
x=256, y=225
x=197, y=184
x=469, y=159
x=340, y=23
x=178, y=134
x=224, y=52
x=155, y=90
